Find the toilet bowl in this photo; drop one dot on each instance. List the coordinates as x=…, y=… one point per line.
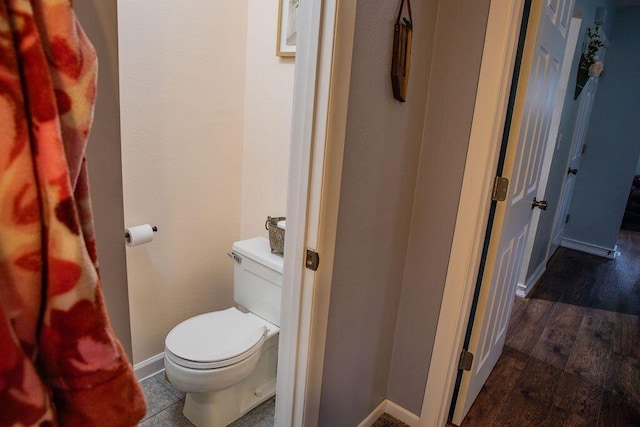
x=226, y=361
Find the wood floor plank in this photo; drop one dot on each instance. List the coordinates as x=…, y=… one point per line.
x=618, y=410
x=624, y=376
x=567, y=317
x=560, y=417
x=516, y=354
x=575, y=265
x=554, y=347
x=605, y=292
x=600, y=323
x=579, y=292
x=578, y=397
x=517, y=311
x=629, y=299
x=495, y=392
x=531, y=399
x=583, y=316
x=517, y=306
x=634, y=239
x=551, y=288
x=527, y=329
x=626, y=341
x=629, y=246
x=557, y=339
x=591, y=351
x=624, y=240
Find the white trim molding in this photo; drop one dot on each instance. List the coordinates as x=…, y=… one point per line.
x=496, y=71
x=149, y=367
x=392, y=409
x=590, y=248
x=524, y=289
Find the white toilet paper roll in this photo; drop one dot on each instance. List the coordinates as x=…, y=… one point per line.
x=139, y=235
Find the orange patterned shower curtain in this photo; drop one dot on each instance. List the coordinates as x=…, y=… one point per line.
x=60, y=363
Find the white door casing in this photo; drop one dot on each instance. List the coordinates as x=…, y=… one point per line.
x=542, y=59
x=492, y=100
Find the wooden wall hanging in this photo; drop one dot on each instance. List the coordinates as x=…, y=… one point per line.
x=401, y=60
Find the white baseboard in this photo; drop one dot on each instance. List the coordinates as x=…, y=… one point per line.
x=402, y=414
x=524, y=289
x=589, y=248
x=392, y=409
x=149, y=367
x=374, y=415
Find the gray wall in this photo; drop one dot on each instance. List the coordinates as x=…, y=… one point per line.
x=613, y=140
x=394, y=220
x=380, y=162
x=99, y=20
x=585, y=9
x=452, y=90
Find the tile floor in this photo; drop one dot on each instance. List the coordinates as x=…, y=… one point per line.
x=165, y=403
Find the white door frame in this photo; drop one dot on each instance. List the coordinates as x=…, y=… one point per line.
x=323, y=66
x=496, y=71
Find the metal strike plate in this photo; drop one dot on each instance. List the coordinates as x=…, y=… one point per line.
x=312, y=260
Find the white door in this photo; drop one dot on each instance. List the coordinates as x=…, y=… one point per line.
x=529, y=274
x=573, y=163
x=323, y=69
x=542, y=59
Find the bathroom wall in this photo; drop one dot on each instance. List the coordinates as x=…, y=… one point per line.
x=452, y=89
x=268, y=98
x=182, y=74
x=382, y=148
x=99, y=20
x=613, y=140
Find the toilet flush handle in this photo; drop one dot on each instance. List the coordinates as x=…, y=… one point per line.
x=237, y=258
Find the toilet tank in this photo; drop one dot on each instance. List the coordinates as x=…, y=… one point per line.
x=257, y=278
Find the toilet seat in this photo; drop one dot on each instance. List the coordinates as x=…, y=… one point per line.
x=215, y=340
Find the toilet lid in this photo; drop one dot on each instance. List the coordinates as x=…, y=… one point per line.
x=213, y=338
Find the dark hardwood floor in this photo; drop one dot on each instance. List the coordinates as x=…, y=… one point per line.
x=572, y=353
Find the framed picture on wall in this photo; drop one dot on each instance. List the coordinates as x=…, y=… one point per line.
x=287, y=27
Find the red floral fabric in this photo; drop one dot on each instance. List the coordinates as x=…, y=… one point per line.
x=61, y=363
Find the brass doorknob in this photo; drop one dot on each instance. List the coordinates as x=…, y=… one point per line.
x=573, y=171
x=540, y=204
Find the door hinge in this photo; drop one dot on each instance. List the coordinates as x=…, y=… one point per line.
x=500, y=187
x=566, y=220
x=312, y=260
x=466, y=360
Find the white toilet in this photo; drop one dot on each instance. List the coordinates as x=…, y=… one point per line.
x=226, y=360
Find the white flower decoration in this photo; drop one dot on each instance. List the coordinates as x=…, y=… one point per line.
x=596, y=68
